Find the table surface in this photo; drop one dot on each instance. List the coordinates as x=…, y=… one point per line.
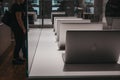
x=48, y=61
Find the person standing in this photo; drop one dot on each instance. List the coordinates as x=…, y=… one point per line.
x=18, y=29
x=112, y=11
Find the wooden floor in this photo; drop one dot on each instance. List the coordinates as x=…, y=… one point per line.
x=8, y=71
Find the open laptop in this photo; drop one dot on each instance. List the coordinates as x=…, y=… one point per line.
x=75, y=25
x=92, y=47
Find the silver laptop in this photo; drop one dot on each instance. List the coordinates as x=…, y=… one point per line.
x=92, y=47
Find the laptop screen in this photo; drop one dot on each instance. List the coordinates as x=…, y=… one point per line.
x=92, y=47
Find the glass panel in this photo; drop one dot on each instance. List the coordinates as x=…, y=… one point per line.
x=55, y=5
x=34, y=13
x=89, y=5
x=37, y=10
x=47, y=9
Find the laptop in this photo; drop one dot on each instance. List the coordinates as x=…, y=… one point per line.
x=92, y=47
x=76, y=25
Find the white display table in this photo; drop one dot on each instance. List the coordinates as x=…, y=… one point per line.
x=48, y=63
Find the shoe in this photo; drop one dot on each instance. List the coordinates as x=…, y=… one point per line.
x=17, y=62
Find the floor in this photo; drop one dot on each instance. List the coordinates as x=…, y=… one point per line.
x=48, y=60
x=8, y=71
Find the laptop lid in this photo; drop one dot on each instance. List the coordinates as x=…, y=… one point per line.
x=92, y=47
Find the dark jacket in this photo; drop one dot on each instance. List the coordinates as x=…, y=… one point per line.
x=112, y=8
x=17, y=8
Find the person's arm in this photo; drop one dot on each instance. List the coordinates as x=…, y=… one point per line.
x=20, y=22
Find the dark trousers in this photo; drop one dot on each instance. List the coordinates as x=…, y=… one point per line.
x=20, y=42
